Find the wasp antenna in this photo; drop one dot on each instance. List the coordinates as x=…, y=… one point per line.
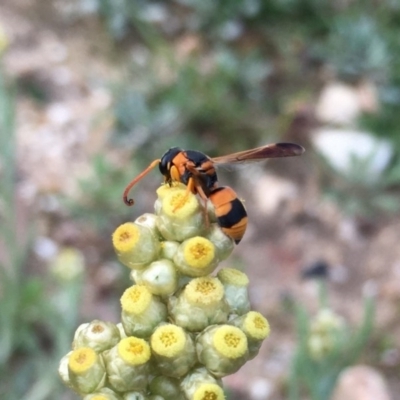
x=130, y=202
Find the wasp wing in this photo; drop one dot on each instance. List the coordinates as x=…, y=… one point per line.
x=261, y=153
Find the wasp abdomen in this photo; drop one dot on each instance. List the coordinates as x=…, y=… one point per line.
x=230, y=212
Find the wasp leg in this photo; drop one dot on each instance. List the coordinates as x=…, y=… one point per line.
x=190, y=187
x=201, y=193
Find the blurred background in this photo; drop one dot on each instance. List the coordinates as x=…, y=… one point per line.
x=91, y=91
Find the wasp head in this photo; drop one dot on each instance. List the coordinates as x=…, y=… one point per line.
x=167, y=162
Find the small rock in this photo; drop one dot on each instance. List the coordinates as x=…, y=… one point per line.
x=261, y=389
x=341, y=147
x=338, y=104
x=361, y=382
x=279, y=191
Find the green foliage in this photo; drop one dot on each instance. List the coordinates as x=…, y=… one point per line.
x=35, y=323
x=317, y=376
x=246, y=88
x=365, y=53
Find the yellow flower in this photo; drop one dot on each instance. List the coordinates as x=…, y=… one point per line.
x=200, y=304
x=134, y=351
x=196, y=257
x=230, y=341
x=126, y=237
x=167, y=189
x=86, y=370
x=256, y=326
x=208, y=391
x=199, y=384
x=180, y=204
x=222, y=349
x=135, y=245
x=81, y=360
x=168, y=340
x=141, y=311
x=180, y=215
x=128, y=365
x=173, y=350
x=199, y=252
x=205, y=291
x=136, y=299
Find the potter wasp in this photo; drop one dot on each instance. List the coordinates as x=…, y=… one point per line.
x=197, y=171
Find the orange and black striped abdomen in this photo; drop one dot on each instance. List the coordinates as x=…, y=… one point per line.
x=230, y=212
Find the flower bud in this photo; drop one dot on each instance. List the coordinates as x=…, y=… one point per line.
x=136, y=276
x=173, y=350
x=224, y=244
x=63, y=370
x=222, y=349
x=160, y=277
x=127, y=364
x=135, y=245
x=97, y=335
x=320, y=346
x=68, y=265
x=86, y=370
x=149, y=221
x=141, y=311
x=199, y=304
x=167, y=387
x=235, y=285
x=180, y=216
x=326, y=321
x=196, y=257
x=121, y=330
x=168, y=249
x=325, y=333
x=255, y=327
x=199, y=384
